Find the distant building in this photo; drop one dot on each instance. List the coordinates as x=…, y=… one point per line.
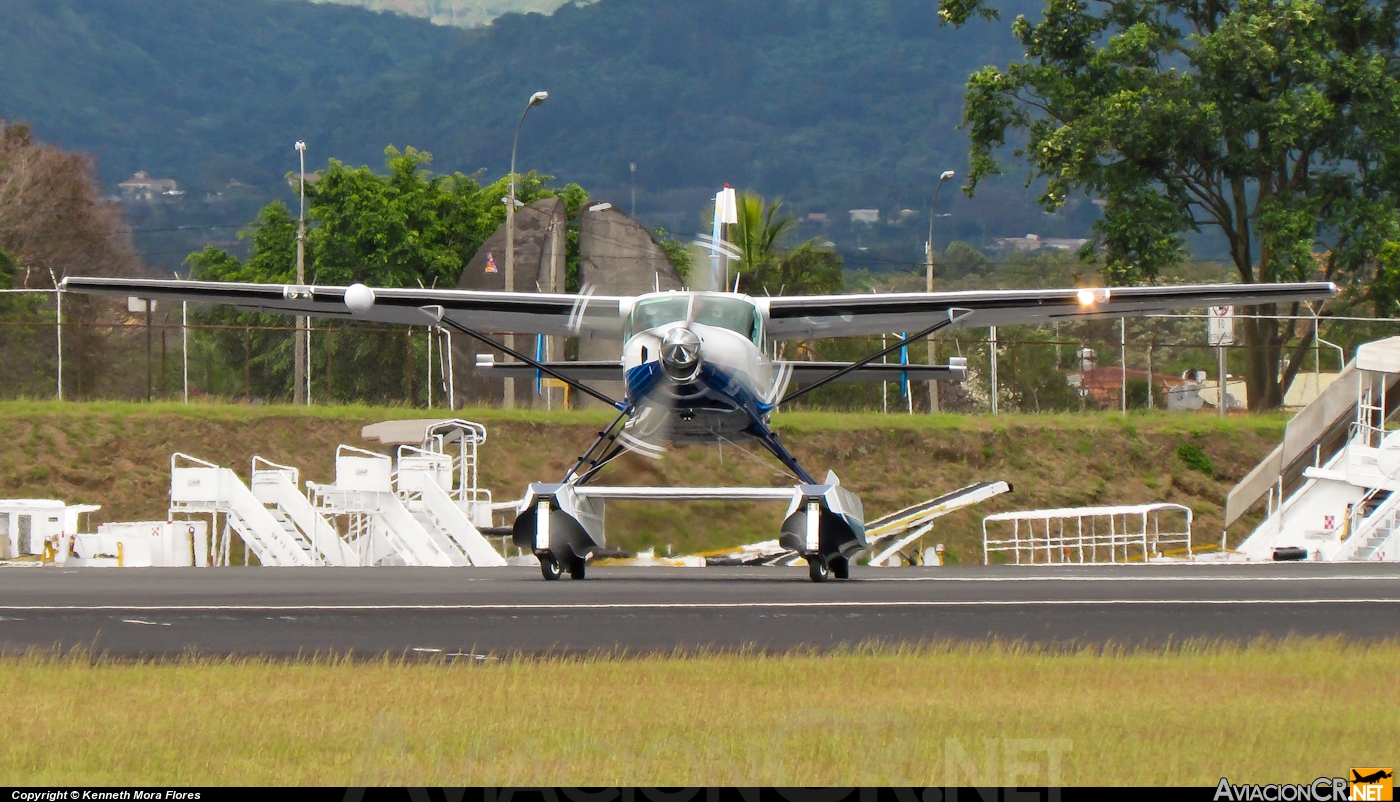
x=817, y=217
x=865, y=215
x=1105, y=384
x=1034, y=242
x=144, y=188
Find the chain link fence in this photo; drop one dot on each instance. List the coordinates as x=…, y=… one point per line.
x=57, y=345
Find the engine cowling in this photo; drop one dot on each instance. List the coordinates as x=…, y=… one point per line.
x=680, y=355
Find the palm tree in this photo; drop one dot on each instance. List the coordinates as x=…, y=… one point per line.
x=759, y=230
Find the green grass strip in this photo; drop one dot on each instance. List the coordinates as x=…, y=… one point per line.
x=1282, y=711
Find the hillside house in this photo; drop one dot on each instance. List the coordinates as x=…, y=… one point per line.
x=142, y=187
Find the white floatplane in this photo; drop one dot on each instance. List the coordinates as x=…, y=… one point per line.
x=697, y=367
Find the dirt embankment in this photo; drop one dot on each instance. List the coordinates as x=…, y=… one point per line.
x=119, y=456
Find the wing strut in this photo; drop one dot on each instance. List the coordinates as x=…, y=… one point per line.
x=534, y=363
x=606, y=440
x=954, y=316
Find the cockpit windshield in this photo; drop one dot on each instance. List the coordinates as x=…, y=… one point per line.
x=734, y=314
x=654, y=312
x=728, y=313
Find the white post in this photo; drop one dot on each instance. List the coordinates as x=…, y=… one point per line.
x=994, y=369
x=59, y=327
x=301, y=379
x=1151, y=346
x=908, y=385
x=1221, y=403
x=1317, y=358
x=884, y=385
x=185, y=344
x=451, y=396
x=1123, y=362
x=430, y=367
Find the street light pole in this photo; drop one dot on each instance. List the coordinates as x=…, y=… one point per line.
x=300, y=382
x=928, y=283
x=535, y=100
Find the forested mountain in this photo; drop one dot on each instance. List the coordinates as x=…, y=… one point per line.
x=463, y=13
x=831, y=104
x=198, y=90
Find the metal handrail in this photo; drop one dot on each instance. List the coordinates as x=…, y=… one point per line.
x=295, y=473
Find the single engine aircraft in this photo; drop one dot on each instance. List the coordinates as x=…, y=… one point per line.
x=699, y=367
x=1373, y=777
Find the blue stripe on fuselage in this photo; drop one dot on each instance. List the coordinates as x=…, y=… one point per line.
x=714, y=383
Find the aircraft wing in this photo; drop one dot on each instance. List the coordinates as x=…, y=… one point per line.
x=585, y=316
x=815, y=316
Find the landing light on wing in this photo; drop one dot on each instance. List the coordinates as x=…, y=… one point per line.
x=359, y=298
x=1088, y=296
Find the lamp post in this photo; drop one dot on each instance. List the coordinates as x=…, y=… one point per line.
x=928, y=282
x=300, y=380
x=535, y=100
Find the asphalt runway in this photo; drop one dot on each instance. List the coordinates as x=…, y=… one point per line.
x=466, y=613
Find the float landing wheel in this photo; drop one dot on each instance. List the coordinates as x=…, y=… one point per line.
x=549, y=567
x=817, y=568
x=840, y=567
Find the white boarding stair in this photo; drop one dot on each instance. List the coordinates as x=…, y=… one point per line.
x=1372, y=537
x=199, y=486
x=423, y=480
x=889, y=535
x=364, y=485
x=276, y=487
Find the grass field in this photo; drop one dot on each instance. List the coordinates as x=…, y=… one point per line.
x=993, y=714
x=117, y=455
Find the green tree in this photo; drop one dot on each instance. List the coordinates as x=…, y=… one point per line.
x=808, y=269
x=252, y=355
x=1274, y=122
x=402, y=228
x=960, y=259
x=766, y=267
x=677, y=252
x=405, y=227
x=1031, y=380
x=1384, y=291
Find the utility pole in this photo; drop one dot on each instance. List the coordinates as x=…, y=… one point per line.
x=300, y=381
x=148, y=350
x=928, y=287
x=634, y=190
x=535, y=100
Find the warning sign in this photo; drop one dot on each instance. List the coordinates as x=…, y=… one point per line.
x=1222, y=326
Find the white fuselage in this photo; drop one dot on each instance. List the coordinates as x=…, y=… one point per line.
x=724, y=390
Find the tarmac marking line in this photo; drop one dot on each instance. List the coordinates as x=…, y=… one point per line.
x=1343, y=578
x=334, y=608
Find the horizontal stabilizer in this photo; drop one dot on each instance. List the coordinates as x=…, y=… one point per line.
x=804, y=372
x=602, y=370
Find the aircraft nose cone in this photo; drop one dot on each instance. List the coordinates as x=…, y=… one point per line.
x=680, y=354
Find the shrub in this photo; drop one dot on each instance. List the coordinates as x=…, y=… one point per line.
x=1195, y=458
